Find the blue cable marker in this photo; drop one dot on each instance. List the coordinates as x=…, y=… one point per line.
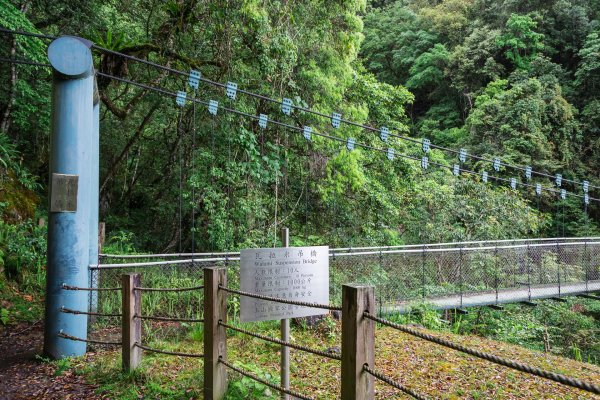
x=231, y=90
x=426, y=145
x=586, y=186
x=558, y=180
x=390, y=154
x=286, y=106
x=307, y=132
x=528, y=172
x=262, y=121
x=513, y=183
x=194, y=79
x=350, y=144
x=563, y=194
x=384, y=133
x=456, y=170
x=181, y=96
x=484, y=176
x=538, y=189
x=462, y=155
x=586, y=198
x=496, y=164
x=336, y=118
x=213, y=106
x=424, y=162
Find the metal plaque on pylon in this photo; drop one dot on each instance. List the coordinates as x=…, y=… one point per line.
x=287, y=273
x=63, y=195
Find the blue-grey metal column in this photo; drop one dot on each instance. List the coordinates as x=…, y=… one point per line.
x=69, y=194
x=94, y=199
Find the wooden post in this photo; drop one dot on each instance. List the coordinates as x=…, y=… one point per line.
x=132, y=327
x=215, y=336
x=358, y=342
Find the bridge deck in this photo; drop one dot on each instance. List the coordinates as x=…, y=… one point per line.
x=504, y=296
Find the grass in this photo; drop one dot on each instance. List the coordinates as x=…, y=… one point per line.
x=424, y=367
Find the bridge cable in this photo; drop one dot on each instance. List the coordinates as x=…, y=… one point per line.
x=300, y=108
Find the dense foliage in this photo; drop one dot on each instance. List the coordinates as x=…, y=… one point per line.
x=499, y=78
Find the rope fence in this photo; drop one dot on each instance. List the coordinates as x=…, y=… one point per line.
x=264, y=382
x=283, y=343
x=562, y=379
x=77, y=312
x=168, y=319
x=171, y=353
x=70, y=337
x=284, y=301
x=393, y=383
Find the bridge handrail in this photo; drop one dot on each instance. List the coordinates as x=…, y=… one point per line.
x=350, y=249
x=421, y=249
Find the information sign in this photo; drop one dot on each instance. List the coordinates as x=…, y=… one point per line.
x=287, y=273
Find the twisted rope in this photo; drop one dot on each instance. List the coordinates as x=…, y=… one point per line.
x=562, y=379
x=64, y=335
x=283, y=343
x=170, y=353
x=284, y=301
x=77, y=312
x=146, y=289
x=168, y=319
x=395, y=384
x=67, y=287
x=264, y=382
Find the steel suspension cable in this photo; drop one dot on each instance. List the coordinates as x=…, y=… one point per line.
x=284, y=301
x=303, y=109
x=342, y=120
x=333, y=138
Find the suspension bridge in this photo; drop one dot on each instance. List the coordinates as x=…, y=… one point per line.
x=82, y=283
x=444, y=275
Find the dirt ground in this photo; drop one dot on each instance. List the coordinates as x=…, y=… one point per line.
x=25, y=375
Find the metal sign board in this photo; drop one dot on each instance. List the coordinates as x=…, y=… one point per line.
x=384, y=133
x=336, y=119
x=350, y=144
x=307, y=132
x=288, y=273
x=496, y=164
x=286, y=106
x=424, y=162
x=462, y=155
x=390, y=154
x=426, y=145
x=63, y=197
x=194, y=79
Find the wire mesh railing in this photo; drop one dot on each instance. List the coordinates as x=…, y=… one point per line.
x=480, y=273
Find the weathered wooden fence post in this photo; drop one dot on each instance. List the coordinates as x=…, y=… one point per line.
x=215, y=335
x=358, y=342
x=131, y=332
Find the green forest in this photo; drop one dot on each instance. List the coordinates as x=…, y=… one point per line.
x=509, y=79
x=517, y=81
